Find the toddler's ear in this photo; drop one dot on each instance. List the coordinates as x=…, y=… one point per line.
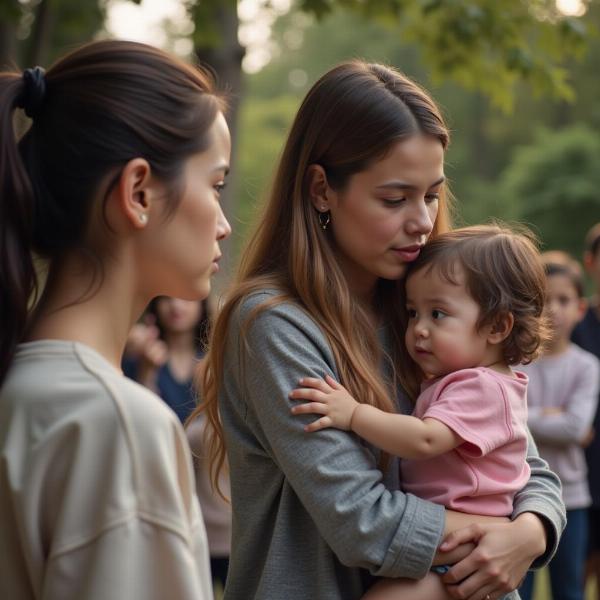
x=501, y=328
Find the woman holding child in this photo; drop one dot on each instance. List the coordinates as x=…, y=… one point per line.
x=359, y=190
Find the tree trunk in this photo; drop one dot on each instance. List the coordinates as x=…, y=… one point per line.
x=38, y=48
x=225, y=58
x=9, y=20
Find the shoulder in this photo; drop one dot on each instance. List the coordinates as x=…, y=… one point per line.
x=268, y=314
x=117, y=443
x=465, y=378
x=68, y=386
x=466, y=387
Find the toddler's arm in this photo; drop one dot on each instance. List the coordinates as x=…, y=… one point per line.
x=400, y=435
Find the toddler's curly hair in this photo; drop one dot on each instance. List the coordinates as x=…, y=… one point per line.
x=503, y=273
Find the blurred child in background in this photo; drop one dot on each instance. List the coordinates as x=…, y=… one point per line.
x=163, y=353
x=562, y=399
x=587, y=335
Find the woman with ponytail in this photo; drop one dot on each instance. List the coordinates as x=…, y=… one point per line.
x=359, y=189
x=109, y=199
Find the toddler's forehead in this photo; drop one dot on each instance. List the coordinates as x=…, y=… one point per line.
x=449, y=271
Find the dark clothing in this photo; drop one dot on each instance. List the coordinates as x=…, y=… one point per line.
x=587, y=336
x=179, y=395
x=568, y=565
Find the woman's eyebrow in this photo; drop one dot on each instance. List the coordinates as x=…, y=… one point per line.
x=222, y=167
x=400, y=185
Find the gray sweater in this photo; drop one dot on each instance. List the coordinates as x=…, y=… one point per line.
x=313, y=516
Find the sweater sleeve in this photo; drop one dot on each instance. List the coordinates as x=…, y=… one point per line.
x=571, y=425
x=542, y=496
x=335, y=477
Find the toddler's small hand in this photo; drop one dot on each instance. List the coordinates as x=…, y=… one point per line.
x=326, y=397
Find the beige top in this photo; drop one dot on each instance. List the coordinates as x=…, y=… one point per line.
x=97, y=493
x=215, y=510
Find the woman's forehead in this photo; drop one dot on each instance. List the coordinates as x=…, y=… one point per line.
x=417, y=161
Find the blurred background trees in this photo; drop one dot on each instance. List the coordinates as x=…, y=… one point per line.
x=517, y=81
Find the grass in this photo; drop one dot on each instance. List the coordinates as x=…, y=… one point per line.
x=542, y=588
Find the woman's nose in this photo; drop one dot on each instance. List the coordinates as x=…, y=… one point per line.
x=420, y=220
x=223, y=226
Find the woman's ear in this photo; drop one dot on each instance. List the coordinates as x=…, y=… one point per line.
x=135, y=192
x=318, y=187
x=501, y=328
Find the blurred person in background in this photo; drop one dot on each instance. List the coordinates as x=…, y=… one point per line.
x=587, y=335
x=562, y=399
x=163, y=352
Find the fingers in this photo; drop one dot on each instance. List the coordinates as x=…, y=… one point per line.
x=308, y=394
x=472, y=533
x=311, y=408
x=156, y=353
x=317, y=384
x=475, y=577
x=321, y=423
x=333, y=383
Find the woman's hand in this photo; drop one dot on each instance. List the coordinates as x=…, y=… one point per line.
x=151, y=353
x=328, y=398
x=498, y=564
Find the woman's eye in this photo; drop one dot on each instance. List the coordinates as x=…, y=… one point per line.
x=219, y=187
x=432, y=197
x=393, y=201
x=438, y=314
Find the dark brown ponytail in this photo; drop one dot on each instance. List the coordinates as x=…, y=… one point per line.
x=93, y=111
x=17, y=272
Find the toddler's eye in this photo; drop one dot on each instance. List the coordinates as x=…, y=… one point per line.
x=412, y=313
x=438, y=314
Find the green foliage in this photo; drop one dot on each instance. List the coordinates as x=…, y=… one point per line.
x=10, y=10
x=482, y=44
x=555, y=184
x=204, y=14
x=48, y=28
x=74, y=22
x=264, y=125
x=483, y=138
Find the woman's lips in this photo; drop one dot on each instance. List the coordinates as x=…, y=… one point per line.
x=408, y=253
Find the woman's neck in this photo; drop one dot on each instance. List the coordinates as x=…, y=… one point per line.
x=361, y=283
x=99, y=313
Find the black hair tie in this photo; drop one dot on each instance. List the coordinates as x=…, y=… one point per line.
x=34, y=91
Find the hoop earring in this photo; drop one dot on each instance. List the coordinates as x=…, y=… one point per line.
x=324, y=219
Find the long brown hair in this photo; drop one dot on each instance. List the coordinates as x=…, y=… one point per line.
x=350, y=118
x=93, y=111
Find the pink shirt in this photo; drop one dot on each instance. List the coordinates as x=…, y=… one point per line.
x=488, y=410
